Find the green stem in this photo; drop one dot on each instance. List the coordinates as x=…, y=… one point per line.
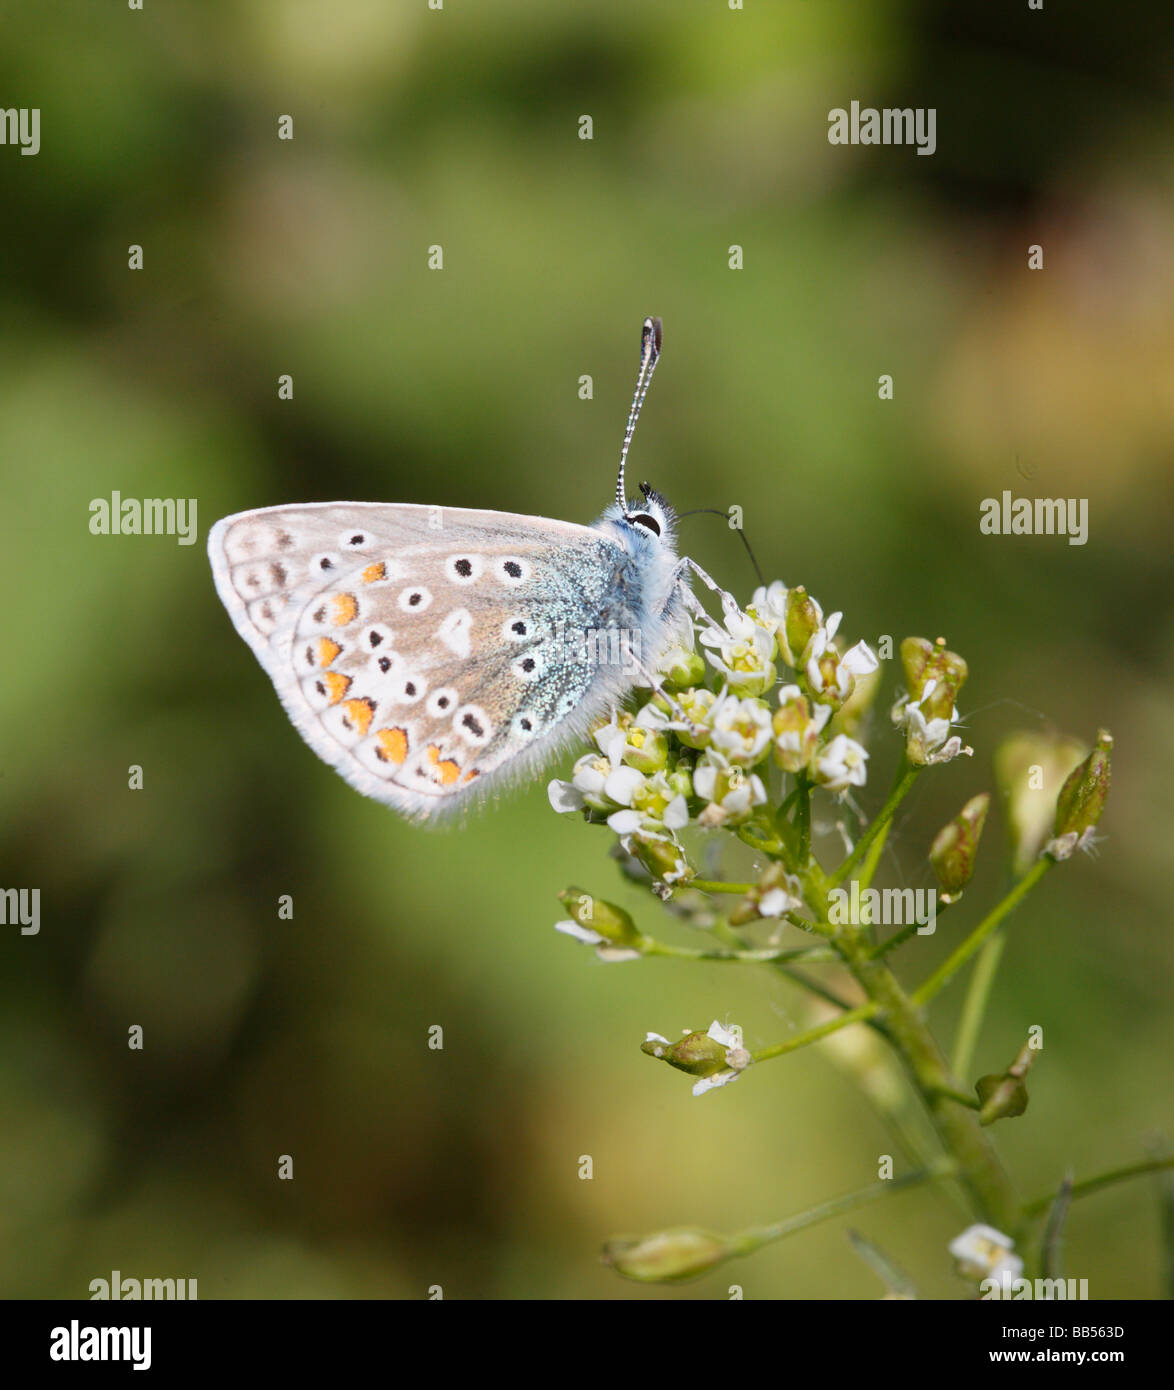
x=803, y=819
x=809, y=955
x=954, y=962
x=974, y=1009
x=712, y=885
x=746, y=1242
x=872, y=858
x=722, y=931
x=1089, y=1185
x=960, y=1097
x=905, y=933
x=906, y=776
x=979, y=1167
x=810, y=1035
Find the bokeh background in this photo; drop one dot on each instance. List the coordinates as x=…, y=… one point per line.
x=460, y=387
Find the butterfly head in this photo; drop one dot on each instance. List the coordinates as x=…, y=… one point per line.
x=650, y=520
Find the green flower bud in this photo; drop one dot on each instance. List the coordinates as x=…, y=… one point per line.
x=660, y=855
x=607, y=919
x=1005, y=1096
x=1030, y=769
x=680, y=779
x=1082, y=797
x=801, y=622
x=852, y=712
x=668, y=1255
x=771, y=896
x=925, y=661
x=955, y=846
x=647, y=750
x=696, y=1053
x=697, y=704
x=1002, y=1097
x=680, y=668
x=796, y=730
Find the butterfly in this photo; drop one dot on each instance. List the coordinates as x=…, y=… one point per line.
x=429, y=654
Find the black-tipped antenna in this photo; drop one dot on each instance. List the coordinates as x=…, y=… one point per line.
x=650, y=340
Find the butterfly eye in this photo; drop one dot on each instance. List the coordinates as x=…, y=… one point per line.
x=649, y=523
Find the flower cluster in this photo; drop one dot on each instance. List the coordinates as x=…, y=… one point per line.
x=699, y=750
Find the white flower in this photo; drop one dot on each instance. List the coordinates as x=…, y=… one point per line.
x=927, y=740
x=564, y=796
x=731, y=793
x=775, y=901
x=741, y=730
x=841, y=764
x=604, y=949
x=650, y=803
x=737, y=1058
x=679, y=662
x=657, y=850
x=590, y=773
x=724, y=1037
x=797, y=728
x=833, y=676
x=622, y=785
x=984, y=1253
x=1066, y=845
x=743, y=653
x=610, y=739
x=770, y=606
x=709, y=1083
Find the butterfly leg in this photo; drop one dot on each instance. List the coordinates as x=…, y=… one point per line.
x=729, y=602
x=653, y=681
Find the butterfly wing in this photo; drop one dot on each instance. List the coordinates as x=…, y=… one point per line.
x=424, y=651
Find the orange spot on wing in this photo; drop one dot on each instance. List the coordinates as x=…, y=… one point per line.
x=327, y=651
x=468, y=777
x=446, y=772
x=374, y=572
x=337, y=684
x=346, y=609
x=392, y=745
x=360, y=713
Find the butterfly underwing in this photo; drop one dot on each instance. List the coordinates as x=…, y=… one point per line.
x=431, y=654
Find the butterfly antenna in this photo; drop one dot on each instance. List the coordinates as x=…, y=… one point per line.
x=650, y=340
x=713, y=511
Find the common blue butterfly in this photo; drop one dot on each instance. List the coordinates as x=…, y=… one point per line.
x=429, y=654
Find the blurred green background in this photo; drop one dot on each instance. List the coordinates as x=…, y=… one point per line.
x=460, y=387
